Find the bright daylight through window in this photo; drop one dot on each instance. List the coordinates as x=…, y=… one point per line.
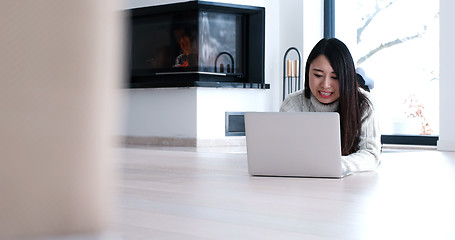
x=396, y=42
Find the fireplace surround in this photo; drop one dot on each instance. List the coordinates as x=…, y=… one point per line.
x=197, y=44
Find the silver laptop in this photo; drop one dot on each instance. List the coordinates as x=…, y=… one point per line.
x=293, y=144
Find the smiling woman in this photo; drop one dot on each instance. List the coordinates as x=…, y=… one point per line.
x=323, y=81
x=331, y=86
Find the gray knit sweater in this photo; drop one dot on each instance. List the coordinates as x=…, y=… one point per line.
x=367, y=157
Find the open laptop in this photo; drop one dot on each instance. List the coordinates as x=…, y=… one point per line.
x=293, y=144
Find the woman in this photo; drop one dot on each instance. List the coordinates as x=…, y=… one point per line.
x=331, y=86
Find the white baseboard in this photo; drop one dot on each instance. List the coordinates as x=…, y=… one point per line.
x=444, y=145
x=234, y=141
x=159, y=141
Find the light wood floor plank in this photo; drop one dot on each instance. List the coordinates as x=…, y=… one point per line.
x=209, y=195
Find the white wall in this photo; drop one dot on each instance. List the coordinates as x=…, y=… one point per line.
x=273, y=60
x=289, y=34
x=188, y=112
x=129, y=4
x=447, y=76
x=313, y=22
x=301, y=26
x=162, y=112
x=212, y=103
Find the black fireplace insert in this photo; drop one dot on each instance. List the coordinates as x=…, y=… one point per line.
x=197, y=43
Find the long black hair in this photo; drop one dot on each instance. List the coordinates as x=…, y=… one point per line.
x=352, y=103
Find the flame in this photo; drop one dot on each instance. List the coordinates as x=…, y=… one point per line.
x=185, y=45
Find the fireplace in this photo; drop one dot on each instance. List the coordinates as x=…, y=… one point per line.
x=197, y=44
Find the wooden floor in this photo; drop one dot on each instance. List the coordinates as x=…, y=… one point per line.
x=184, y=194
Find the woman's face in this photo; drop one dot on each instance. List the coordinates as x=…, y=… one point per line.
x=323, y=81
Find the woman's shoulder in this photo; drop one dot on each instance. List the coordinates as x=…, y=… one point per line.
x=368, y=95
x=370, y=103
x=364, y=92
x=294, y=102
x=299, y=95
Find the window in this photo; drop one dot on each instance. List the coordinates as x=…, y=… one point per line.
x=396, y=42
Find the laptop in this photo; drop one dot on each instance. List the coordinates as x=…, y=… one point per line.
x=293, y=144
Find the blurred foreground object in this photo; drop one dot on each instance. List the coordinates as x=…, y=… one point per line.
x=60, y=71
